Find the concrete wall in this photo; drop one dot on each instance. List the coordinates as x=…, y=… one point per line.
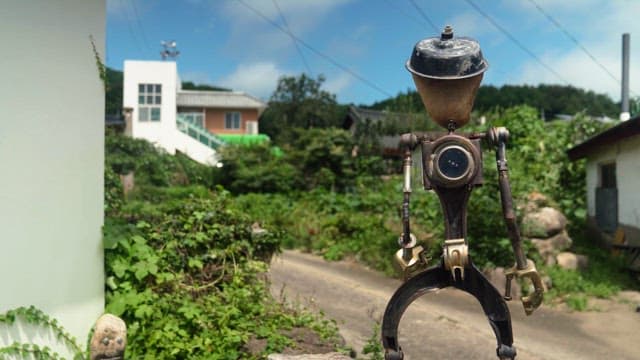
x=214, y=120
x=152, y=72
x=626, y=155
x=52, y=156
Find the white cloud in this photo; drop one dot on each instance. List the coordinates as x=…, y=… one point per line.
x=258, y=79
x=601, y=34
x=470, y=24
x=338, y=83
x=264, y=39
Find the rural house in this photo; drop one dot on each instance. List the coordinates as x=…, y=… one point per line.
x=613, y=179
x=375, y=124
x=194, y=122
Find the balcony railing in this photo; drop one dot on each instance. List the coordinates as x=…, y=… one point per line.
x=198, y=133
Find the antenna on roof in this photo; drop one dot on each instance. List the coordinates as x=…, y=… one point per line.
x=169, y=50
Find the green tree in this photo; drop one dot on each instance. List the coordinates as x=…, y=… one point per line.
x=299, y=102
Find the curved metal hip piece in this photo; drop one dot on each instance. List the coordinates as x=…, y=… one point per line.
x=438, y=277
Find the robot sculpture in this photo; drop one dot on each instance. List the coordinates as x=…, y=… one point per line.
x=447, y=71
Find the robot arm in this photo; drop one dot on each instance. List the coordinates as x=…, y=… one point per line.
x=524, y=267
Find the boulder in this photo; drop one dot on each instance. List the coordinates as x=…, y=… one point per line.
x=549, y=248
x=535, y=201
x=543, y=223
x=328, y=356
x=497, y=278
x=109, y=338
x=571, y=261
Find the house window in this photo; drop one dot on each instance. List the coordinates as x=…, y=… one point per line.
x=149, y=101
x=608, y=175
x=232, y=120
x=607, y=198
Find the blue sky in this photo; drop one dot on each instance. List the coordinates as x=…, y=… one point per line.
x=225, y=43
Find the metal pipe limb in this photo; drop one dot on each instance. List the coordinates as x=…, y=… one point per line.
x=507, y=199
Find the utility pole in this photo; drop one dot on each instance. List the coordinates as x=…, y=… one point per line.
x=169, y=50
x=624, y=98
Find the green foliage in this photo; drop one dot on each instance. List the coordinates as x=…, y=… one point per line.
x=189, y=85
x=318, y=158
x=373, y=347
x=37, y=317
x=185, y=271
x=551, y=99
x=151, y=165
x=102, y=73
x=299, y=102
x=113, y=93
x=255, y=168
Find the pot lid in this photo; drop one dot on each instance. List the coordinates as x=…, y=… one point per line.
x=447, y=57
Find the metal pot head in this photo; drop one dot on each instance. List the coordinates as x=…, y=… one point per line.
x=447, y=72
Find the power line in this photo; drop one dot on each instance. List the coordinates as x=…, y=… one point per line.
x=515, y=41
x=137, y=16
x=424, y=16
x=405, y=13
x=131, y=32
x=284, y=21
x=575, y=41
x=317, y=52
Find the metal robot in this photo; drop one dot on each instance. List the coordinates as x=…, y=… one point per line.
x=447, y=71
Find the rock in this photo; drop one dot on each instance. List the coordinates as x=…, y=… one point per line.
x=547, y=282
x=535, y=201
x=328, y=356
x=561, y=241
x=109, y=338
x=549, y=248
x=571, y=261
x=497, y=278
x=543, y=223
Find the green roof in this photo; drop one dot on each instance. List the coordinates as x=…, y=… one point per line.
x=243, y=139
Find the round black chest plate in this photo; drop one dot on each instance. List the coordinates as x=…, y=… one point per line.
x=453, y=163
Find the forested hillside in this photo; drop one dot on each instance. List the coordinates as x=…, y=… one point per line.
x=552, y=99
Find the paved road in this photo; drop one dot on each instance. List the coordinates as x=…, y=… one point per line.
x=449, y=324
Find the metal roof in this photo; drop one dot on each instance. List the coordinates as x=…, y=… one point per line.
x=218, y=99
x=621, y=131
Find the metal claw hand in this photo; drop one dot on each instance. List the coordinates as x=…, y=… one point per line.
x=410, y=259
x=533, y=301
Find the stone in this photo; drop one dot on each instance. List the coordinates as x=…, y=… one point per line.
x=549, y=248
x=497, y=278
x=571, y=261
x=109, y=338
x=543, y=223
x=328, y=356
x=535, y=201
x=128, y=182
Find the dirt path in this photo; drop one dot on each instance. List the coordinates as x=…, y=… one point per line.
x=450, y=324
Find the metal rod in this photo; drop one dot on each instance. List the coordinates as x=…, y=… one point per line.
x=406, y=227
x=507, y=204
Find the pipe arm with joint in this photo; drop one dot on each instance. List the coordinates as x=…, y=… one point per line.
x=410, y=258
x=524, y=268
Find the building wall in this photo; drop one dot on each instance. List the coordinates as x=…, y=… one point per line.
x=52, y=156
x=626, y=154
x=214, y=120
x=152, y=72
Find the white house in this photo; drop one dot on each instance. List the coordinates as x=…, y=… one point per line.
x=188, y=121
x=613, y=179
x=52, y=158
